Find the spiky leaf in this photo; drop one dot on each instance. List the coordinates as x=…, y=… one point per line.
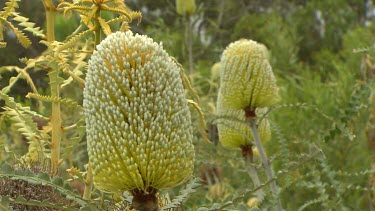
x=28, y=26
x=190, y=188
x=41, y=179
x=22, y=38
x=9, y=8
x=106, y=28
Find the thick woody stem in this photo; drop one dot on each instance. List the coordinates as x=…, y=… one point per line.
x=145, y=201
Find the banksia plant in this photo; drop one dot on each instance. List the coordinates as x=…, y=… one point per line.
x=246, y=77
x=138, y=123
x=247, y=84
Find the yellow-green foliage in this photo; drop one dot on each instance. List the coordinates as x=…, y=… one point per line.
x=9, y=11
x=138, y=123
x=90, y=13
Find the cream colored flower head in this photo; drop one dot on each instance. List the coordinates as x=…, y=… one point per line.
x=246, y=77
x=138, y=123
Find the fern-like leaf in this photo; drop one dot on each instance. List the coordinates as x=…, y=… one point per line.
x=45, y=98
x=117, y=20
x=106, y=28
x=136, y=14
x=117, y=10
x=22, y=38
x=24, y=123
x=9, y=101
x=202, y=122
x=91, y=15
x=124, y=26
x=185, y=81
x=73, y=40
x=190, y=188
x=311, y=202
x=79, y=8
x=10, y=7
x=28, y=26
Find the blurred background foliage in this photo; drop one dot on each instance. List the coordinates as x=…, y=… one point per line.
x=322, y=53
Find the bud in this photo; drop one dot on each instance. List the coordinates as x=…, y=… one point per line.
x=233, y=129
x=185, y=7
x=215, y=71
x=246, y=77
x=138, y=123
x=253, y=202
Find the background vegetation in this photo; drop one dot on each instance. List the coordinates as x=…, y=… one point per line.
x=322, y=53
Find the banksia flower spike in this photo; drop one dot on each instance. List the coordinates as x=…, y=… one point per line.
x=246, y=77
x=138, y=122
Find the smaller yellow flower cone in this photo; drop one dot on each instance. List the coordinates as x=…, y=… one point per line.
x=246, y=77
x=233, y=128
x=185, y=7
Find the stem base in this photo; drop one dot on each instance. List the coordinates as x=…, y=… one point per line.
x=143, y=201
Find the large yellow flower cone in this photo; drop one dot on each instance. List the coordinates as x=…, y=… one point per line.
x=138, y=122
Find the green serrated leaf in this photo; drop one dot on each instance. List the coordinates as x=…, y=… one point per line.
x=22, y=38
x=190, y=188
x=42, y=179
x=4, y=203
x=44, y=176
x=10, y=102
x=58, y=181
x=67, y=187
x=28, y=26
x=21, y=199
x=10, y=7
x=28, y=172
x=34, y=182
x=215, y=206
x=6, y=168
